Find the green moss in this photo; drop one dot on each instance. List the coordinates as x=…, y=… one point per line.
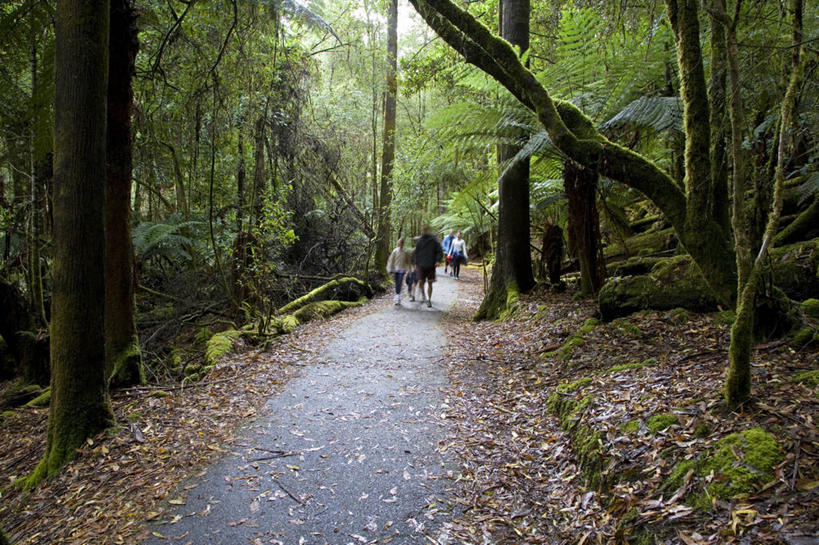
x=578, y=296
x=588, y=326
x=127, y=367
x=135, y=416
x=220, y=344
x=624, y=326
x=811, y=308
x=159, y=394
x=808, y=378
x=41, y=400
x=176, y=358
x=725, y=317
x=191, y=368
x=541, y=312
x=570, y=387
x=631, y=426
x=5, y=415
x=629, y=366
x=203, y=336
x=741, y=462
x=659, y=422
x=802, y=336
x=679, y=315
x=675, y=480
x=702, y=430
x=569, y=347
x=289, y=323
x=512, y=299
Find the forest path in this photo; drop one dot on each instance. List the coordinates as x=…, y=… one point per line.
x=348, y=451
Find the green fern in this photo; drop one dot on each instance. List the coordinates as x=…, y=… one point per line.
x=152, y=240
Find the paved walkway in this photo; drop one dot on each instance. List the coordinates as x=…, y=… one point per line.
x=348, y=453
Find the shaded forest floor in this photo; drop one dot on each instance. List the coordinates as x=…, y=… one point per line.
x=524, y=467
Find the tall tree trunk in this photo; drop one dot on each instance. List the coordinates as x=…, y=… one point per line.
x=382, y=250
x=80, y=407
x=241, y=175
x=258, y=173
x=40, y=170
x=584, y=225
x=123, y=359
x=512, y=271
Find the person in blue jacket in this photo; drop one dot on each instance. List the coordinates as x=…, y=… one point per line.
x=445, y=245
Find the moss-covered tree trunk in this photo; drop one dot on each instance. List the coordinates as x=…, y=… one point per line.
x=738, y=380
x=512, y=271
x=382, y=249
x=80, y=407
x=584, y=225
x=122, y=355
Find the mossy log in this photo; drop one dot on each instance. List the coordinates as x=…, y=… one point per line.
x=19, y=393
x=675, y=282
x=344, y=288
x=806, y=224
x=645, y=243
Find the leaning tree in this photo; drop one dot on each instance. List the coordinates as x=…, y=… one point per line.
x=699, y=209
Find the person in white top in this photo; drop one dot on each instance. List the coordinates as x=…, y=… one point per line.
x=398, y=264
x=457, y=251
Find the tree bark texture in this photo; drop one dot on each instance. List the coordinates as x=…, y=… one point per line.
x=512, y=271
x=382, y=250
x=80, y=407
x=584, y=225
x=122, y=355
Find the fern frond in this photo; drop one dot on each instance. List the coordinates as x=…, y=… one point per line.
x=656, y=113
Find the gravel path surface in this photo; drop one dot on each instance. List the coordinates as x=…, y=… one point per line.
x=348, y=452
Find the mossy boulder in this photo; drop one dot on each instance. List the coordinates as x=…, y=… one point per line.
x=672, y=283
x=803, y=336
x=676, y=282
x=643, y=244
x=742, y=462
x=220, y=344
x=737, y=465
x=795, y=269
x=811, y=308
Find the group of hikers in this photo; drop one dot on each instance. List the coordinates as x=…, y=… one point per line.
x=417, y=266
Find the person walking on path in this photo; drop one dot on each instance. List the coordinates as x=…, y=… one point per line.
x=457, y=251
x=428, y=253
x=397, y=265
x=445, y=245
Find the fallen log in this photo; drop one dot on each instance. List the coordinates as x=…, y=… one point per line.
x=346, y=285
x=676, y=282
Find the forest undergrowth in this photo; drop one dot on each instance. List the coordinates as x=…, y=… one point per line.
x=164, y=436
x=574, y=431
x=565, y=430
